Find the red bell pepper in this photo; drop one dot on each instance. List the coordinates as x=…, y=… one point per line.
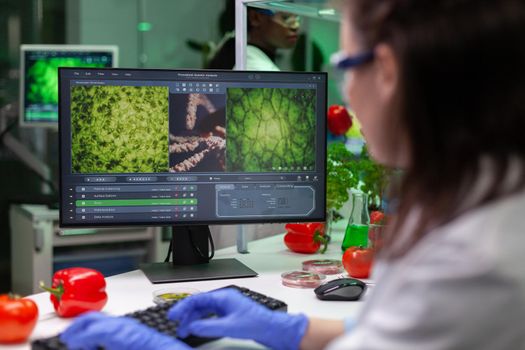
x=305, y=238
x=76, y=290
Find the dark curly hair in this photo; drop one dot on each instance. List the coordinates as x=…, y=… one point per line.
x=461, y=100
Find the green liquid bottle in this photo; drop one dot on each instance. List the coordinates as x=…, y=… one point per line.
x=356, y=234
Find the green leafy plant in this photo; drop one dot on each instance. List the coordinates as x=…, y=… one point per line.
x=374, y=179
x=347, y=171
x=341, y=176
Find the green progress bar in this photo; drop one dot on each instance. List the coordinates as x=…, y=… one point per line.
x=140, y=202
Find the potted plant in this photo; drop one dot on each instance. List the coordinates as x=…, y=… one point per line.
x=346, y=171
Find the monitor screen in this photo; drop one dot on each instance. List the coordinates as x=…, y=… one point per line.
x=191, y=147
x=39, y=76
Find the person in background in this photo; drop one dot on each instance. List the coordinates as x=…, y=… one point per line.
x=439, y=88
x=267, y=32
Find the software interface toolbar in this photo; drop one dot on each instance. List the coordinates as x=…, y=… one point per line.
x=163, y=147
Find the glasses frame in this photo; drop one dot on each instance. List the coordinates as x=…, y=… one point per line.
x=342, y=61
x=291, y=22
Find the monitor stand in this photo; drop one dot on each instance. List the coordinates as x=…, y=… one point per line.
x=191, y=261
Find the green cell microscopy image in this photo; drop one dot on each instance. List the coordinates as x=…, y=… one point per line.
x=270, y=129
x=119, y=129
x=42, y=77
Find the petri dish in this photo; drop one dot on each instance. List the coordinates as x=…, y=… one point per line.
x=302, y=279
x=172, y=294
x=324, y=266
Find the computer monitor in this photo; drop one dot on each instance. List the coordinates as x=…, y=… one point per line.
x=39, y=76
x=190, y=148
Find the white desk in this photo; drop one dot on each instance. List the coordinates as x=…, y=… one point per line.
x=269, y=257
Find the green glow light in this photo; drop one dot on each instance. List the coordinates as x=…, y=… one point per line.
x=144, y=27
x=327, y=12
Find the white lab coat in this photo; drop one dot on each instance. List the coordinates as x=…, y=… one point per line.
x=256, y=59
x=461, y=287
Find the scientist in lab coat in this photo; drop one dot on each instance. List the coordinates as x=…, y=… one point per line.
x=268, y=31
x=439, y=88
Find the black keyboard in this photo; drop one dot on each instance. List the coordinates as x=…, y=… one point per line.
x=155, y=317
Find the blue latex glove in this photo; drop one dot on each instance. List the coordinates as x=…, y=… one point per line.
x=238, y=317
x=94, y=329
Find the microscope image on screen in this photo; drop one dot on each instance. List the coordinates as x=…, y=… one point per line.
x=42, y=77
x=39, y=66
x=270, y=129
x=119, y=129
x=197, y=134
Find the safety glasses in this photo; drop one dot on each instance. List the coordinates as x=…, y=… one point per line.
x=283, y=18
x=287, y=19
x=341, y=64
x=341, y=61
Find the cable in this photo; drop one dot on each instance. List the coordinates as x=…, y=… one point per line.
x=169, y=250
x=196, y=248
x=51, y=184
x=210, y=240
x=7, y=129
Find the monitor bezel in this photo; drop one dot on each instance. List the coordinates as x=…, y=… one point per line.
x=25, y=48
x=208, y=222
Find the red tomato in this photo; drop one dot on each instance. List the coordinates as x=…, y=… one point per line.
x=339, y=121
x=357, y=261
x=18, y=317
x=377, y=217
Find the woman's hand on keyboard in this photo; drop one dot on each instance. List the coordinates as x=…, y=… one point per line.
x=237, y=316
x=93, y=330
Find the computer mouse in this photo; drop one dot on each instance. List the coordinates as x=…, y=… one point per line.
x=343, y=289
